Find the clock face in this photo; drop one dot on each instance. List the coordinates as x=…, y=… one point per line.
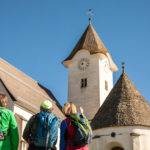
x=106, y=66
x=83, y=63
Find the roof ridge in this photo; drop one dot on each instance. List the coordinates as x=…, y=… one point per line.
x=93, y=33
x=96, y=36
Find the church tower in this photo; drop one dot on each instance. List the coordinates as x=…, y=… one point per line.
x=91, y=70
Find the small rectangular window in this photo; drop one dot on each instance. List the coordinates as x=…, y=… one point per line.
x=83, y=82
x=106, y=85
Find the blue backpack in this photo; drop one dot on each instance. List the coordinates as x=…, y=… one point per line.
x=47, y=130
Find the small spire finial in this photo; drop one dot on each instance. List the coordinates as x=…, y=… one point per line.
x=90, y=16
x=123, y=67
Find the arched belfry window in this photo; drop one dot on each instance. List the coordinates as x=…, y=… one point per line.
x=117, y=148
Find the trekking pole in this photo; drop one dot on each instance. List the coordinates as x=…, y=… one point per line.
x=47, y=138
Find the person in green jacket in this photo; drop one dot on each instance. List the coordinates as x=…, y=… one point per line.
x=9, y=137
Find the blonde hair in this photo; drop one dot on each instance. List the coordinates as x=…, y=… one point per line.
x=69, y=109
x=3, y=100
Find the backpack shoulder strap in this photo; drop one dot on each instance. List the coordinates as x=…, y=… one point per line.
x=51, y=116
x=70, y=128
x=68, y=121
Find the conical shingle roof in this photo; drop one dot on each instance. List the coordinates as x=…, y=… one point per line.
x=124, y=106
x=89, y=41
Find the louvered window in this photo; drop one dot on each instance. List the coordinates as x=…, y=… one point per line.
x=83, y=82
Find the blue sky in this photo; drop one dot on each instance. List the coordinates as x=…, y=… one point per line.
x=37, y=35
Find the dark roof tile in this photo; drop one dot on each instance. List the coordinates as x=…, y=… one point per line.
x=89, y=41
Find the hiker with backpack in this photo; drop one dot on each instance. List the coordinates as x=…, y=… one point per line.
x=9, y=137
x=41, y=130
x=75, y=131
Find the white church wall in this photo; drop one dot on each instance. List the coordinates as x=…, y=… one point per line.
x=106, y=77
x=87, y=97
x=25, y=116
x=22, y=112
x=129, y=138
x=141, y=138
x=97, y=74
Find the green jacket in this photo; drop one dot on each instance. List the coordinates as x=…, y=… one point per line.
x=8, y=122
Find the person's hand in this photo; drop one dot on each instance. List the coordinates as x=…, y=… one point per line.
x=81, y=110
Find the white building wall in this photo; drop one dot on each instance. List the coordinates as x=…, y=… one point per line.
x=22, y=112
x=129, y=138
x=106, y=75
x=92, y=96
x=87, y=97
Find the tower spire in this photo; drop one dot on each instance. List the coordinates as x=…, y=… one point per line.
x=90, y=16
x=123, y=67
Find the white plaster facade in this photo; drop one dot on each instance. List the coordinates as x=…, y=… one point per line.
x=128, y=138
x=22, y=112
x=98, y=74
x=25, y=116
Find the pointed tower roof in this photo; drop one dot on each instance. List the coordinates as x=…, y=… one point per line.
x=89, y=41
x=124, y=106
